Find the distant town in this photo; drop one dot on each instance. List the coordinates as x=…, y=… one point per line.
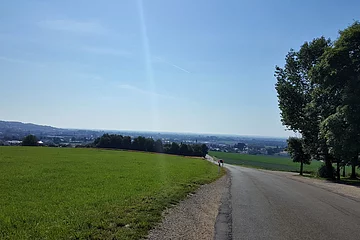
x=12, y=133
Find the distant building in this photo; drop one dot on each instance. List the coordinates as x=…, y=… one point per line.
x=284, y=154
x=14, y=142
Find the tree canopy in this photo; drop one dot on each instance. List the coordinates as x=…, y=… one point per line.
x=30, y=140
x=297, y=152
x=140, y=143
x=319, y=97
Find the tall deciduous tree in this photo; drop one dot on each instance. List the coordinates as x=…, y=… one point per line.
x=159, y=146
x=204, y=150
x=335, y=129
x=30, y=140
x=174, y=148
x=338, y=75
x=127, y=142
x=150, y=145
x=184, y=149
x=297, y=153
x=295, y=90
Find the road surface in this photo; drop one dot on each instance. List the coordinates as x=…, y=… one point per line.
x=266, y=205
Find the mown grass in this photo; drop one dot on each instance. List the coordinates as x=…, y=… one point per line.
x=266, y=162
x=54, y=193
x=271, y=162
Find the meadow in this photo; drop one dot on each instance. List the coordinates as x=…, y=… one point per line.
x=266, y=162
x=274, y=163
x=63, y=193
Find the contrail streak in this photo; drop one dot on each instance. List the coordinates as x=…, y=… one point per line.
x=180, y=68
x=171, y=64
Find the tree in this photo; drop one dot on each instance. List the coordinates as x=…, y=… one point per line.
x=116, y=141
x=126, y=142
x=30, y=140
x=139, y=143
x=174, y=148
x=338, y=135
x=241, y=146
x=150, y=145
x=196, y=150
x=297, y=99
x=104, y=141
x=338, y=75
x=204, y=150
x=110, y=141
x=297, y=153
x=167, y=147
x=184, y=150
x=159, y=146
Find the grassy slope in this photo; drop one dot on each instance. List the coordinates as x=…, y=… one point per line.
x=53, y=193
x=270, y=162
x=265, y=162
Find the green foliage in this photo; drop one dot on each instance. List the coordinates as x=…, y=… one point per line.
x=184, y=150
x=30, y=140
x=79, y=193
x=294, y=86
x=265, y=162
x=240, y=146
x=159, y=146
x=270, y=162
x=174, y=148
x=323, y=172
x=204, y=150
x=126, y=144
x=140, y=143
x=297, y=98
x=338, y=74
x=297, y=152
x=319, y=96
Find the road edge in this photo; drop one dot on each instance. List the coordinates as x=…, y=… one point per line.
x=223, y=223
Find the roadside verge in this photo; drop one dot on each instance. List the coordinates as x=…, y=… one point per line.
x=194, y=217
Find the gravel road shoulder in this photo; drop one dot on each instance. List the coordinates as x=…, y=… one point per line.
x=194, y=217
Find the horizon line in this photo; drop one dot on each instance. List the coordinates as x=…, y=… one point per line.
x=150, y=131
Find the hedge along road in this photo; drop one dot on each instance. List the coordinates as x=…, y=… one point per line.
x=266, y=205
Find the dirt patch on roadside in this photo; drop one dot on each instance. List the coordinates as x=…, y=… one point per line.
x=194, y=218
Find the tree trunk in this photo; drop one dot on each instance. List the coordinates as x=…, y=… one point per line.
x=353, y=171
x=338, y=170
x=343, y=174
x=329, y=167
x=301, y=167
x=353, y=167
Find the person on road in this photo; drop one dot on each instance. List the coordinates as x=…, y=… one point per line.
x=221, y=162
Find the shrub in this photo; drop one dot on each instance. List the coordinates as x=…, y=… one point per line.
x=323, y=172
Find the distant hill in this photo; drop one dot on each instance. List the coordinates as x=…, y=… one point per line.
x=19, y=126
x=10, y=130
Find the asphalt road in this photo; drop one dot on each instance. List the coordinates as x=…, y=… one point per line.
x=270, y=206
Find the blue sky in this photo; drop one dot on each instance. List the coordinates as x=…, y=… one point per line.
x=182, y=65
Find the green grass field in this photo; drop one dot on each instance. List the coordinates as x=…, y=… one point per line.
x=265, y=162
x=270, y=162
x=59, y=193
